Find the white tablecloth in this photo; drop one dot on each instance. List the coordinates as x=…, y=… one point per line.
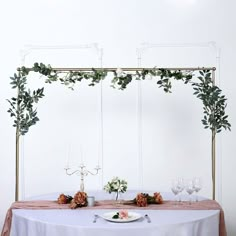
x=79, y=222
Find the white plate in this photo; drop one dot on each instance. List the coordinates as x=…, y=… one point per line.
x=132, y=216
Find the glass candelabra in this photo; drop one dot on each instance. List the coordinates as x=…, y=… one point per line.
x=82, y=171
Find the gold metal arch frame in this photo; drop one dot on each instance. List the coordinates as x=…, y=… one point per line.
x=213, y=136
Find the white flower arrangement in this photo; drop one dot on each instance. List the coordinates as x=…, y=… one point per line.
x=116, y=185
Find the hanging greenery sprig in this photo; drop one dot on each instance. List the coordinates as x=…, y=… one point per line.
x=22, y=107
x=214, y=103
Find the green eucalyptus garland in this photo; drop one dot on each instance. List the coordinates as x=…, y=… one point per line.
x=22, y=107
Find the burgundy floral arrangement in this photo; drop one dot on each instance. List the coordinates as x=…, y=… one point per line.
x=79, y=200
x=143, y=199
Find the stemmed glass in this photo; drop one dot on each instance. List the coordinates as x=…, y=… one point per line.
x=180, y=187
x=189, y=188
x=175, y=189
x=197, y=185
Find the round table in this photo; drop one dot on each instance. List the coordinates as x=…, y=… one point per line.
x=79, y=222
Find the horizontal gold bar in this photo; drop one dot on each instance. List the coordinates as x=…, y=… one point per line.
x=110, y=69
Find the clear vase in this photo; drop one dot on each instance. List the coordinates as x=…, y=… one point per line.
x=117, y=198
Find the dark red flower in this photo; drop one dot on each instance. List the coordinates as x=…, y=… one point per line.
x=141, y=200
x=63, y=199
x=79, y=200
x=158, y=198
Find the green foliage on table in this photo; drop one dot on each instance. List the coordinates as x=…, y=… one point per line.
x=116, y=216
x=116, y=185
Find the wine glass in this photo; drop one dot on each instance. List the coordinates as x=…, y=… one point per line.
x=180, y=187
x=197, y=184
x=189, y=188
x=175, y=189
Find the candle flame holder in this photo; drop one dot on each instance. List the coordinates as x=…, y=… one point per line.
x=82, y=171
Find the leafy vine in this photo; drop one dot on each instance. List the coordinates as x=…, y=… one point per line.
x=22, y=107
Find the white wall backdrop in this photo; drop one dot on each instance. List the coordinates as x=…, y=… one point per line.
x=173, y=140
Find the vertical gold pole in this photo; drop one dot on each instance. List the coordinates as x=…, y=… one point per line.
x=213, y=156
x=213, y=152
x=17, y=165
x=17, y=149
